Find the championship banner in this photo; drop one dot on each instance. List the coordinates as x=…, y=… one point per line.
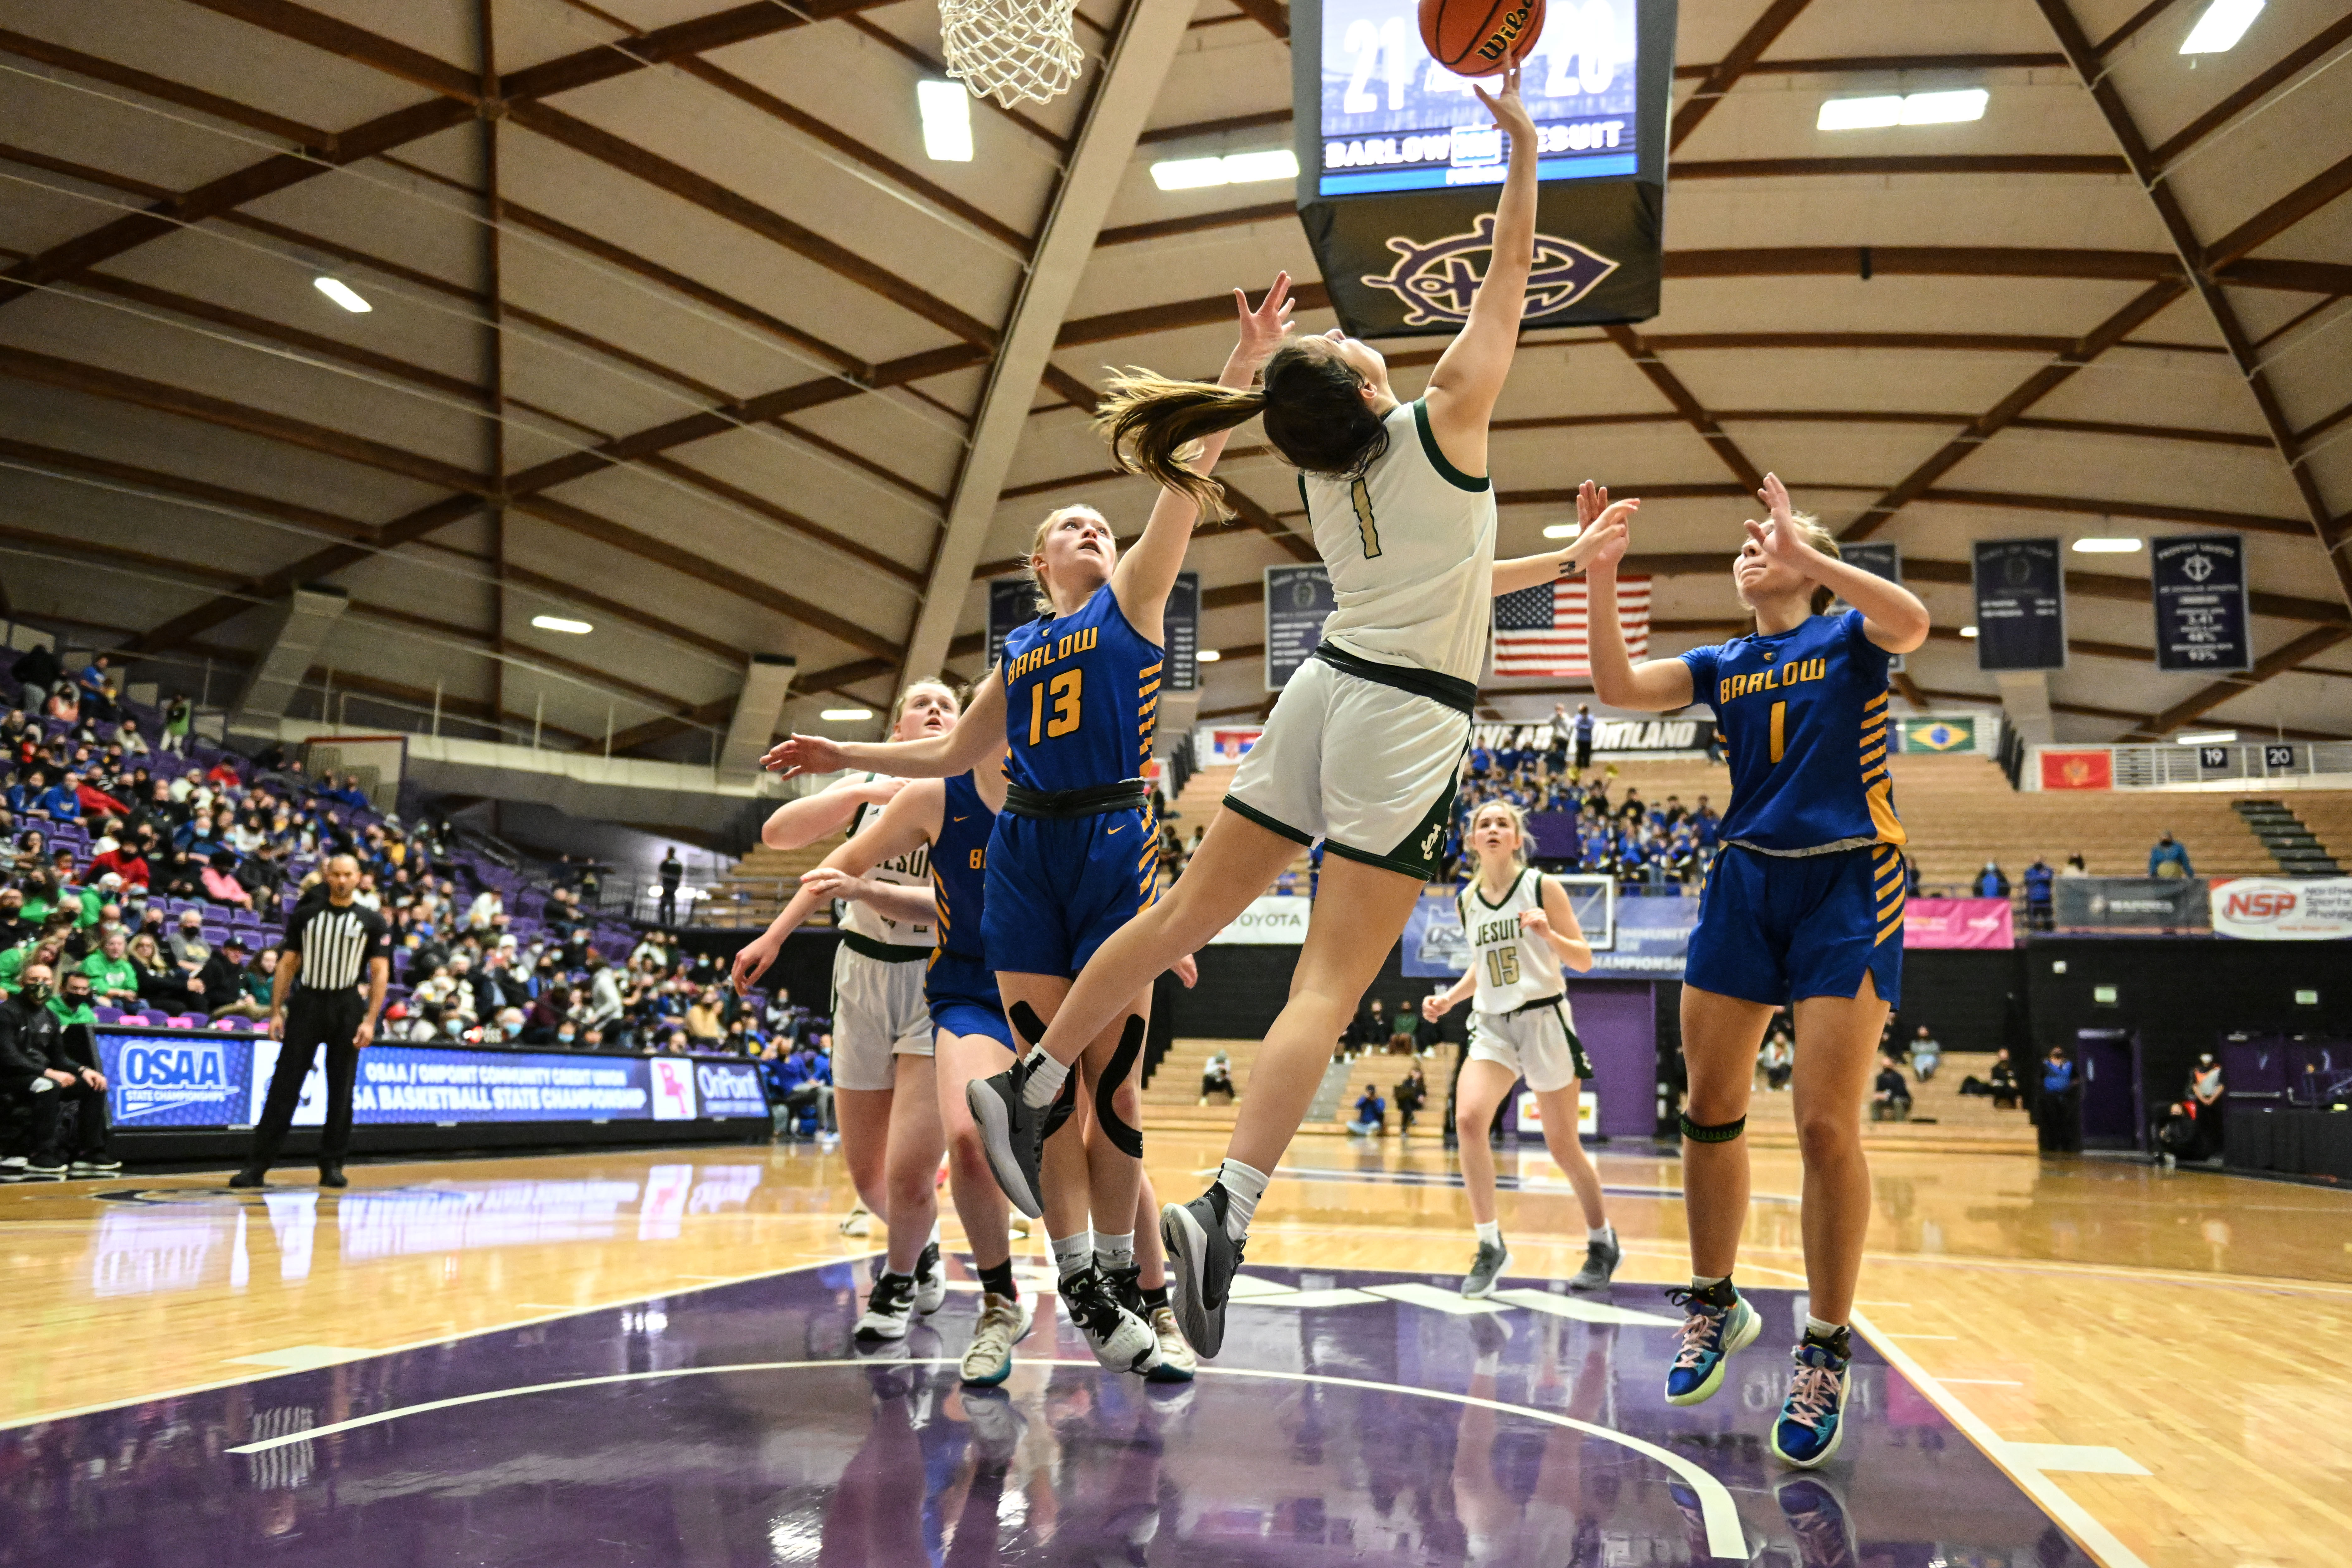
x=1879, y=560
x=2021, y=588
x=2130, y=905
x=1398, y=165
x=2199, y=588
x=1278, y=920
x=1298, y=599
x=1959, y=923
x=2275, y=909
x=1180, y=636
x=1011, y=601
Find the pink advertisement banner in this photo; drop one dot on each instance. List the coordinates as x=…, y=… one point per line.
x=1957, y=922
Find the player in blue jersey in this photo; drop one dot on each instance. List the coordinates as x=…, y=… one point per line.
x=1075, y=854
x=1803, y=907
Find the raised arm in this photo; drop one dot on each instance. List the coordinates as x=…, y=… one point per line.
x=1469, y=377
x=1527, y=570
x=1892, y=615
x=911, y=819
x=1654, y=686
x=1145, y=573
x=799, y=823
x=958, y=751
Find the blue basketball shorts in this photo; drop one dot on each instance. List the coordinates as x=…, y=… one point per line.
x=1058, y=888
x=1780, y=928
x=961, y=991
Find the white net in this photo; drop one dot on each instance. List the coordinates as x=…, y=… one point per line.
x=1011, y=50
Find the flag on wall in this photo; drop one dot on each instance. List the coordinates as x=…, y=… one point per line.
x=1540, y=630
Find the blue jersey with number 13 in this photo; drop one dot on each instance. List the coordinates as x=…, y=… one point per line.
x=1081, y=697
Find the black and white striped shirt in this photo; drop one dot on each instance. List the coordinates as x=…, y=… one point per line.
x=336, y=944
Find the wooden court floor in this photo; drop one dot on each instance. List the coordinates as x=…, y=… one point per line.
x=2164, y=1354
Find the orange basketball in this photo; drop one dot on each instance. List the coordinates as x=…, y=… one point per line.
x=1470, y=38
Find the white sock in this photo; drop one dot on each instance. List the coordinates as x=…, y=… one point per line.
x=1707, y=1281
x=1606, y=1232
x=1114, y=1251
x=1490, y=1232
x=1817, y=1330
x=1046, y=1076
x=1243, y=1185
x=1072, y=1253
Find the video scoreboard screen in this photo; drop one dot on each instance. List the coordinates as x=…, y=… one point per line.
x=1394, y=119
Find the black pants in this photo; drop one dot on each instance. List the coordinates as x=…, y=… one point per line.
x=669, y=904
x=1583, y=754
x=313, y=1018
x=47, y=1122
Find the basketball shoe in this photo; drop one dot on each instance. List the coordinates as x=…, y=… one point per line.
x=1003, y=1323
x=1206, y=1258
x=1719, y=1324
x=1121, y=1341
x=1813, y=1420
x=1485, y=1270
x=1014, y=1133
x=1600, y=1260
x=888, y=1307
x=930, y=1281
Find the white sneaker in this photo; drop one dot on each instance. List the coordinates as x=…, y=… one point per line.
x=1121, y=1341
x=859, y=1221
x=14, y=1163
x=1002, y=1324
x=888, y=1307
x=1177, y=1362
x=930, y=1281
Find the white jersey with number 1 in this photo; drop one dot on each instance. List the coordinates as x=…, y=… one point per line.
x=1514, y=966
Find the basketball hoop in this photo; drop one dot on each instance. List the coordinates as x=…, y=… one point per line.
x=1011, y=50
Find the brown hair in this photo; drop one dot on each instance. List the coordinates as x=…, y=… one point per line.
x=1312, y=401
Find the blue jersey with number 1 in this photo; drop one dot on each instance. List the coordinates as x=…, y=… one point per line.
x=1081, y=697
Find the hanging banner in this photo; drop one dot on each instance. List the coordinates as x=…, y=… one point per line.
x=1880, y=561
x=1399, y=162
x=1179, y=635
x=1298, y=602
x=2021, y=605
x=1608, y=735
x=2199, y=588
x=2140, y=905
x=1933, y=734
x=1957, y=922
x=2078, y=770
x=1012, y=602
x=1277, y=919
x=2277, y=909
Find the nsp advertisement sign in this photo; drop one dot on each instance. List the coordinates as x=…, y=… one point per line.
x=2199, y=589
x=1398, y=165
x=2279, y=908
x=2021, y=590
x=1298, y=599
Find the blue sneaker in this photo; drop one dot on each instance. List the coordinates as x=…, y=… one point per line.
x=1813, y=1421
x=1719, y=1324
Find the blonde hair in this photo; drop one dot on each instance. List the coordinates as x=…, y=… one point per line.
x=899, y=707
x=1518, y=824
x=1042, y=602
x=1810, y=529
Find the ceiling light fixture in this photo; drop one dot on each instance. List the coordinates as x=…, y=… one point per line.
x=845, y=715
x=1561, y=530
x=1913, y=109
x=2106, y=546
x=1233, y=169
x=2206, y=737
x=1207, y=655
x=342, y=294
x=2219, y=28
x=562, y=623
x=946, y=110
x=1967, y=631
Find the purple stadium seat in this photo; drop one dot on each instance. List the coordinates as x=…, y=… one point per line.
x=153, y=1018
x=108, y=1014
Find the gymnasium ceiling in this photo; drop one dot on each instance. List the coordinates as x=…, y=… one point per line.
x=676, y=331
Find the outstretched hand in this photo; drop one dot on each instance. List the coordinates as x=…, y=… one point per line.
x=1509, y=113
x=1263, y=330
x=803, y=754
x=1607, y=530
x=1779, y=538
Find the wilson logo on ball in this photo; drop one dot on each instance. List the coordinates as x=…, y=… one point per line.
x=1437, y=283
x=1471, y=38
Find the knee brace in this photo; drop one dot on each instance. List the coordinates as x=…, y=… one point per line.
x=1026, y=1023
x=1032, y=1030
x=1722, y=1132
x=1127, y=1141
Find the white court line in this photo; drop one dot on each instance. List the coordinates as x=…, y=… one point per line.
x=1723, y=1537
x=2094, y=1538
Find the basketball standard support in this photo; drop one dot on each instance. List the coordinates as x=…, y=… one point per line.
x=305, y=621
x=758, y=709
x=1134, y=65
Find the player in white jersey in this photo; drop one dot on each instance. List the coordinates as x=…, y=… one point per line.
x=1363, y=748
x=1521, y=930
x=891, y=1137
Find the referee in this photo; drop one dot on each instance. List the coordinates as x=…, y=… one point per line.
x=332, y=944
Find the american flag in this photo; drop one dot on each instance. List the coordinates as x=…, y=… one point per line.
x=1540, y=630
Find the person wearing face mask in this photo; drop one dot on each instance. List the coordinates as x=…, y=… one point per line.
x=49, y=1059
x=509, y=1025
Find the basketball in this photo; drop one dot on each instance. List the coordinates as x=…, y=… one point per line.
x=1470, y=38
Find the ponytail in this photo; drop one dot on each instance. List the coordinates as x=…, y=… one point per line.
x=1154, y=424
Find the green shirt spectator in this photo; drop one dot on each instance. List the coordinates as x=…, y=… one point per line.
x=72, y=1010
x=114, y=979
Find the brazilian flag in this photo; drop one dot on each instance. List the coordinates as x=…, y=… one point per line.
x=1938, y=735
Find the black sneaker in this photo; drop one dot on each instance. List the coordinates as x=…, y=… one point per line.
x=1600, y=1260
x=251, y=1176
x=1121, y=1341
x=889, y=1306
x=1014, y=1133
x=45, y=1165
x=332, y=1176
x=1206, y=1258
x=1485, y=1270
x=930, y=1281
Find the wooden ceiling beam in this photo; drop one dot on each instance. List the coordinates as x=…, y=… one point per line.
x=1645, y=359
x=2292, y=65
x=149, y=84
x=935, y=69
x=505, y=651
x=785, y=518
x=2281, y=214
x=2137, y=313
x=2103, y=163
x=2278, y=661
x=2130, y=26
x=308, y=518
x=1272, y=15
x=1736, y=63
x=331, y=34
